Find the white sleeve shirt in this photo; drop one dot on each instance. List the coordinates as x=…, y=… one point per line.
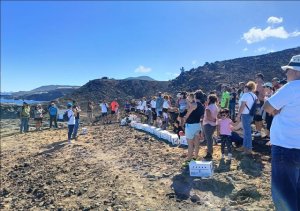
x=285, y=129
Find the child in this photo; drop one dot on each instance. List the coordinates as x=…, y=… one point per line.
x=158, y=122
x=177, y=128
x=224, y=130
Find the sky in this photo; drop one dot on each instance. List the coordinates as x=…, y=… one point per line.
x=72, y=42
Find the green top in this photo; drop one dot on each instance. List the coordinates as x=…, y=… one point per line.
x=225, y=99
x=25, y=112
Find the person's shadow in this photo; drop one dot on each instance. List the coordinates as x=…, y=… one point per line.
x=224, y=166
x=53, y=147
x=183, y=183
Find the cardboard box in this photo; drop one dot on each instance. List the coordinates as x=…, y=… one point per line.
x=201, y=168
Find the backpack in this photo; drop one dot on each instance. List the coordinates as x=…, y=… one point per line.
x=252, y=110
x=66, y=117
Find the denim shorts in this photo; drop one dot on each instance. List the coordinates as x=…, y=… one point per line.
x=191, y=130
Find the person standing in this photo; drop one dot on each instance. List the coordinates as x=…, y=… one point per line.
x=24, y=116
x=90, y=110
x=76, y=110
x=232, y=103
x=209, y=123
x=104, y=112
x=246, y=103
x=225, y=97
x=71, y=121
x=193, y=126
x=285, y=139
x=38, y=116
x=260, y=93
x=159, y=104
x=53, y=114
x=114, y=105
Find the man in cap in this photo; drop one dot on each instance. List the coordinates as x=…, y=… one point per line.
x=285, y=139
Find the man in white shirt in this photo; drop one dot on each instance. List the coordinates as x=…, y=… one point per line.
x=285, y=139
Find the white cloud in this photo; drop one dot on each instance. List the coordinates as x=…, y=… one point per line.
x=194, y=62
x=257, y=34
x=142, y=69
x=274, y=20
x=263, y=50
x=245, y=49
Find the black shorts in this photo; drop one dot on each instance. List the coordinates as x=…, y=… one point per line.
x=257, y=118
x=183, y=113
x=38, y=119
x=112, y=112
x=269, y=119
x=165, y=110
x=104, y=114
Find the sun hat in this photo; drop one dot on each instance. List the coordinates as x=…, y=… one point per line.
x=293, y=64
x=69, y=105
x=268, y=84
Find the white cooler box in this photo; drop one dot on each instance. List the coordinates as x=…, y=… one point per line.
x=174, y=139
x=145, y=127
x=152, y=129
x=156, y=132
x=164, y=134
x=139, y=126
x=201, y=168
x=183, y=140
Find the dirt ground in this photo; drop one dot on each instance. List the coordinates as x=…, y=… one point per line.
x=119, y=168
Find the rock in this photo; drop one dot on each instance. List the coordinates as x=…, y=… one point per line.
x=195, y=198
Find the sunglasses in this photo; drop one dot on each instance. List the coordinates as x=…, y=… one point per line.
x=286, y=71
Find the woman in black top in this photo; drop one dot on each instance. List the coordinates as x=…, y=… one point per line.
x=193, y=126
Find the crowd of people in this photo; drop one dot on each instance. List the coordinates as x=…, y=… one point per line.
x=238, y=113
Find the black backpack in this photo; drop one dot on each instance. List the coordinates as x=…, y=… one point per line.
x=252, y=111
x=66, y=117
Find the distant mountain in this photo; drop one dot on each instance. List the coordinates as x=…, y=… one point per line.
x=143, y=78
x=45, y=93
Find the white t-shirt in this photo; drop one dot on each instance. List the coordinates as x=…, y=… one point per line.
x=103, y=107
x=249, y=98
x=166, y=104
x=153, y=103
x=71, y=117
x=144, y=105
x=285, y=129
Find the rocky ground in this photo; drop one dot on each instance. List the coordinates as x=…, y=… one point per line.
x=120, y=168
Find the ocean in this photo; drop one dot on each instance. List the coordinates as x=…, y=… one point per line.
x=18, y=102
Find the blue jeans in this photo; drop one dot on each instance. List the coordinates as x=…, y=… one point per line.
x=76, y=126
x=286, y=178
x=24, y=124
x=70, y=131
x=246, y=122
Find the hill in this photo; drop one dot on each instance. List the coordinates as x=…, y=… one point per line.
x=44, y=93
x=211, y=75
x=144, y=78
x=99, y=89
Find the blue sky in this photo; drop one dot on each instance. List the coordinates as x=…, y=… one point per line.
x=72, y=42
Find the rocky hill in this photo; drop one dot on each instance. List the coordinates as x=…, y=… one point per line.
x=99, y=89
x=211, y=75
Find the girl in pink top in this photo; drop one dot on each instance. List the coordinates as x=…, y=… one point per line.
x=224, y=130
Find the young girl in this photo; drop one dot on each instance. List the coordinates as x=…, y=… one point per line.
x=224, y=130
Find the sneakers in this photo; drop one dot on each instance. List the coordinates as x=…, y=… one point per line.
x=208, y=156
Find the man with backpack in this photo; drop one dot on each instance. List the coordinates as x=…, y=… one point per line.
x=53, y=114
x=245, y=114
